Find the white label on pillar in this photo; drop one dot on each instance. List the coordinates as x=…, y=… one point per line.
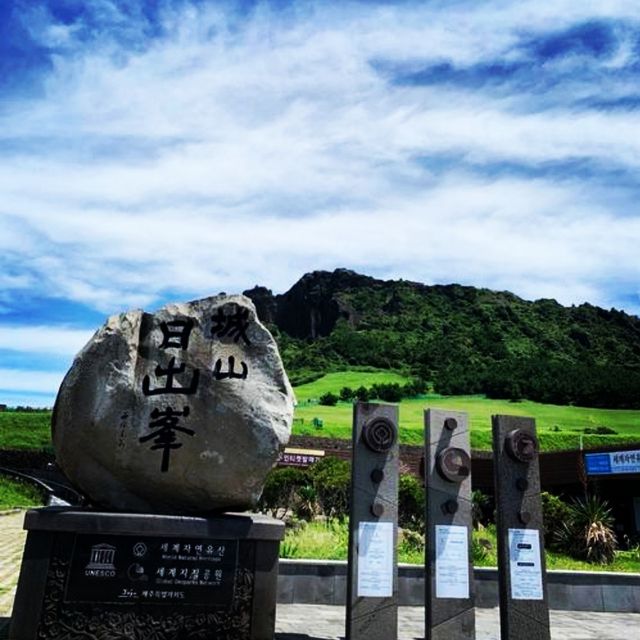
x=452, y=561
x=525, y=564
x=375, y=559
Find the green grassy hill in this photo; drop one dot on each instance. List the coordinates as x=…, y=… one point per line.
x=461, y=339
x=559, y=427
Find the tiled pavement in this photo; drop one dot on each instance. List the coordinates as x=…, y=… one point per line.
x=12, y=538
x=320, y=622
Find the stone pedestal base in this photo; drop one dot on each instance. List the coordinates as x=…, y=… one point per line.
x=97, y=576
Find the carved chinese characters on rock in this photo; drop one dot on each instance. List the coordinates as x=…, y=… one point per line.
x=181, y=410
x=229, y=325
x=165, y=423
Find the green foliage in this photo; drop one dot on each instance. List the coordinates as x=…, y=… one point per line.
x=331, y=479
x=353, y=378
x=555, y=513
x=480, y=508
x=363, y=394
x=468, y=341
x=588, y=532
x=347, y=394
x=559, y=427
x=25, y=430
x=411, y=503
x=329, y=399
x=281, y=489
x=15, y=493
x=602, y=431
x=479, y=550
x=392, y=392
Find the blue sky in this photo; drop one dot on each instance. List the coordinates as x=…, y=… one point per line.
x=169, y=150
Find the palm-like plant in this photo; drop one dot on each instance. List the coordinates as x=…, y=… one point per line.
x=588, y=531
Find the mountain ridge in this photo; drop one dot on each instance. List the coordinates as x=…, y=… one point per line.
x=461, y=338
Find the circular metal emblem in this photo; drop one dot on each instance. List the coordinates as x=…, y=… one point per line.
x=521, y=445
x=450, y=424
x=453, y=464
x=379, y=435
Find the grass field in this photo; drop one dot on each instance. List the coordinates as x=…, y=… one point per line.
x=17, y=494
x=559, y=427
x=25, y=430
x=333, y=382
x=329, y=541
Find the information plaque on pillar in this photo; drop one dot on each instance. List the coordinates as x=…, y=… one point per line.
x=375, y=559
x=452, y=561
x=525, y=564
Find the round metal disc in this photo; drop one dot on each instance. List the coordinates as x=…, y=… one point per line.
x=379, y=434
x=522, y=445
x=453, y=464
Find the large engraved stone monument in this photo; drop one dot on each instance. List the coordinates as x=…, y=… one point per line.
x=167, y=422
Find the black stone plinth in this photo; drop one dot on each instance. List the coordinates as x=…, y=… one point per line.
x=96, y=576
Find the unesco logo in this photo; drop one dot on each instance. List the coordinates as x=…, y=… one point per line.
x=101, y=563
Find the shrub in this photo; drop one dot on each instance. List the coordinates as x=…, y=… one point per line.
x=329, y=399
x=480, y=508
x=601, y=431
x=389, y=392
x=363, y=394
x=331, y=479
x=411, y=503
x=305, y=504
x=555, y=513
x=479, y=550
x=347, y=394
x=280, y=489
x=588, y=533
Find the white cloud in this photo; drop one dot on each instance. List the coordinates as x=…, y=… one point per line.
x=209, y=162
x=18, y=380
x=43, y=339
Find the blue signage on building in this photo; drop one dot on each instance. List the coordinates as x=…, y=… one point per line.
x=612, y=462
x=597, y=463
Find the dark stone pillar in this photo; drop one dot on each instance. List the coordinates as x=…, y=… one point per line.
x=372, y=585
x=449, y=612
x=524, y=606
x=148, y=576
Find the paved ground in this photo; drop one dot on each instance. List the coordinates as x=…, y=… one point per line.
x=294, y=622
x=12, y=539
x=320, y=622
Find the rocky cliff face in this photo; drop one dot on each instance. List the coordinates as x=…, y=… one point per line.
x=313, y=305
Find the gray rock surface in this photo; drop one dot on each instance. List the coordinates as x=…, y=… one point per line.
x=180, y=411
